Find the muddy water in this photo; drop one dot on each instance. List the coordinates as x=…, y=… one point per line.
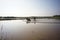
x=43, y=29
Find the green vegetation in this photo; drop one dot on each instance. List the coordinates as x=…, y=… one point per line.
x=56, y=16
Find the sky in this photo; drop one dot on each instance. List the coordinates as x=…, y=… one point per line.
x=29, y=7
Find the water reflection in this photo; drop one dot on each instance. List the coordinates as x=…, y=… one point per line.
x=31, y=22
x=57, y=21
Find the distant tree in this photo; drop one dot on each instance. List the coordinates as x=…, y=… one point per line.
x=56, y=16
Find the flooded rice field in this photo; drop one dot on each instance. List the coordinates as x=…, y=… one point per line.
x=41, y=29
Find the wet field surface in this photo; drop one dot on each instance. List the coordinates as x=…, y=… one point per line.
x=41, y=29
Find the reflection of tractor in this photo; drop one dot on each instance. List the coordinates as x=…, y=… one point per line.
x=28, y=19
x=34, y=18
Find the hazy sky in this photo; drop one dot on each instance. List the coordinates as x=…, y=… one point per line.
x=29, y=7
